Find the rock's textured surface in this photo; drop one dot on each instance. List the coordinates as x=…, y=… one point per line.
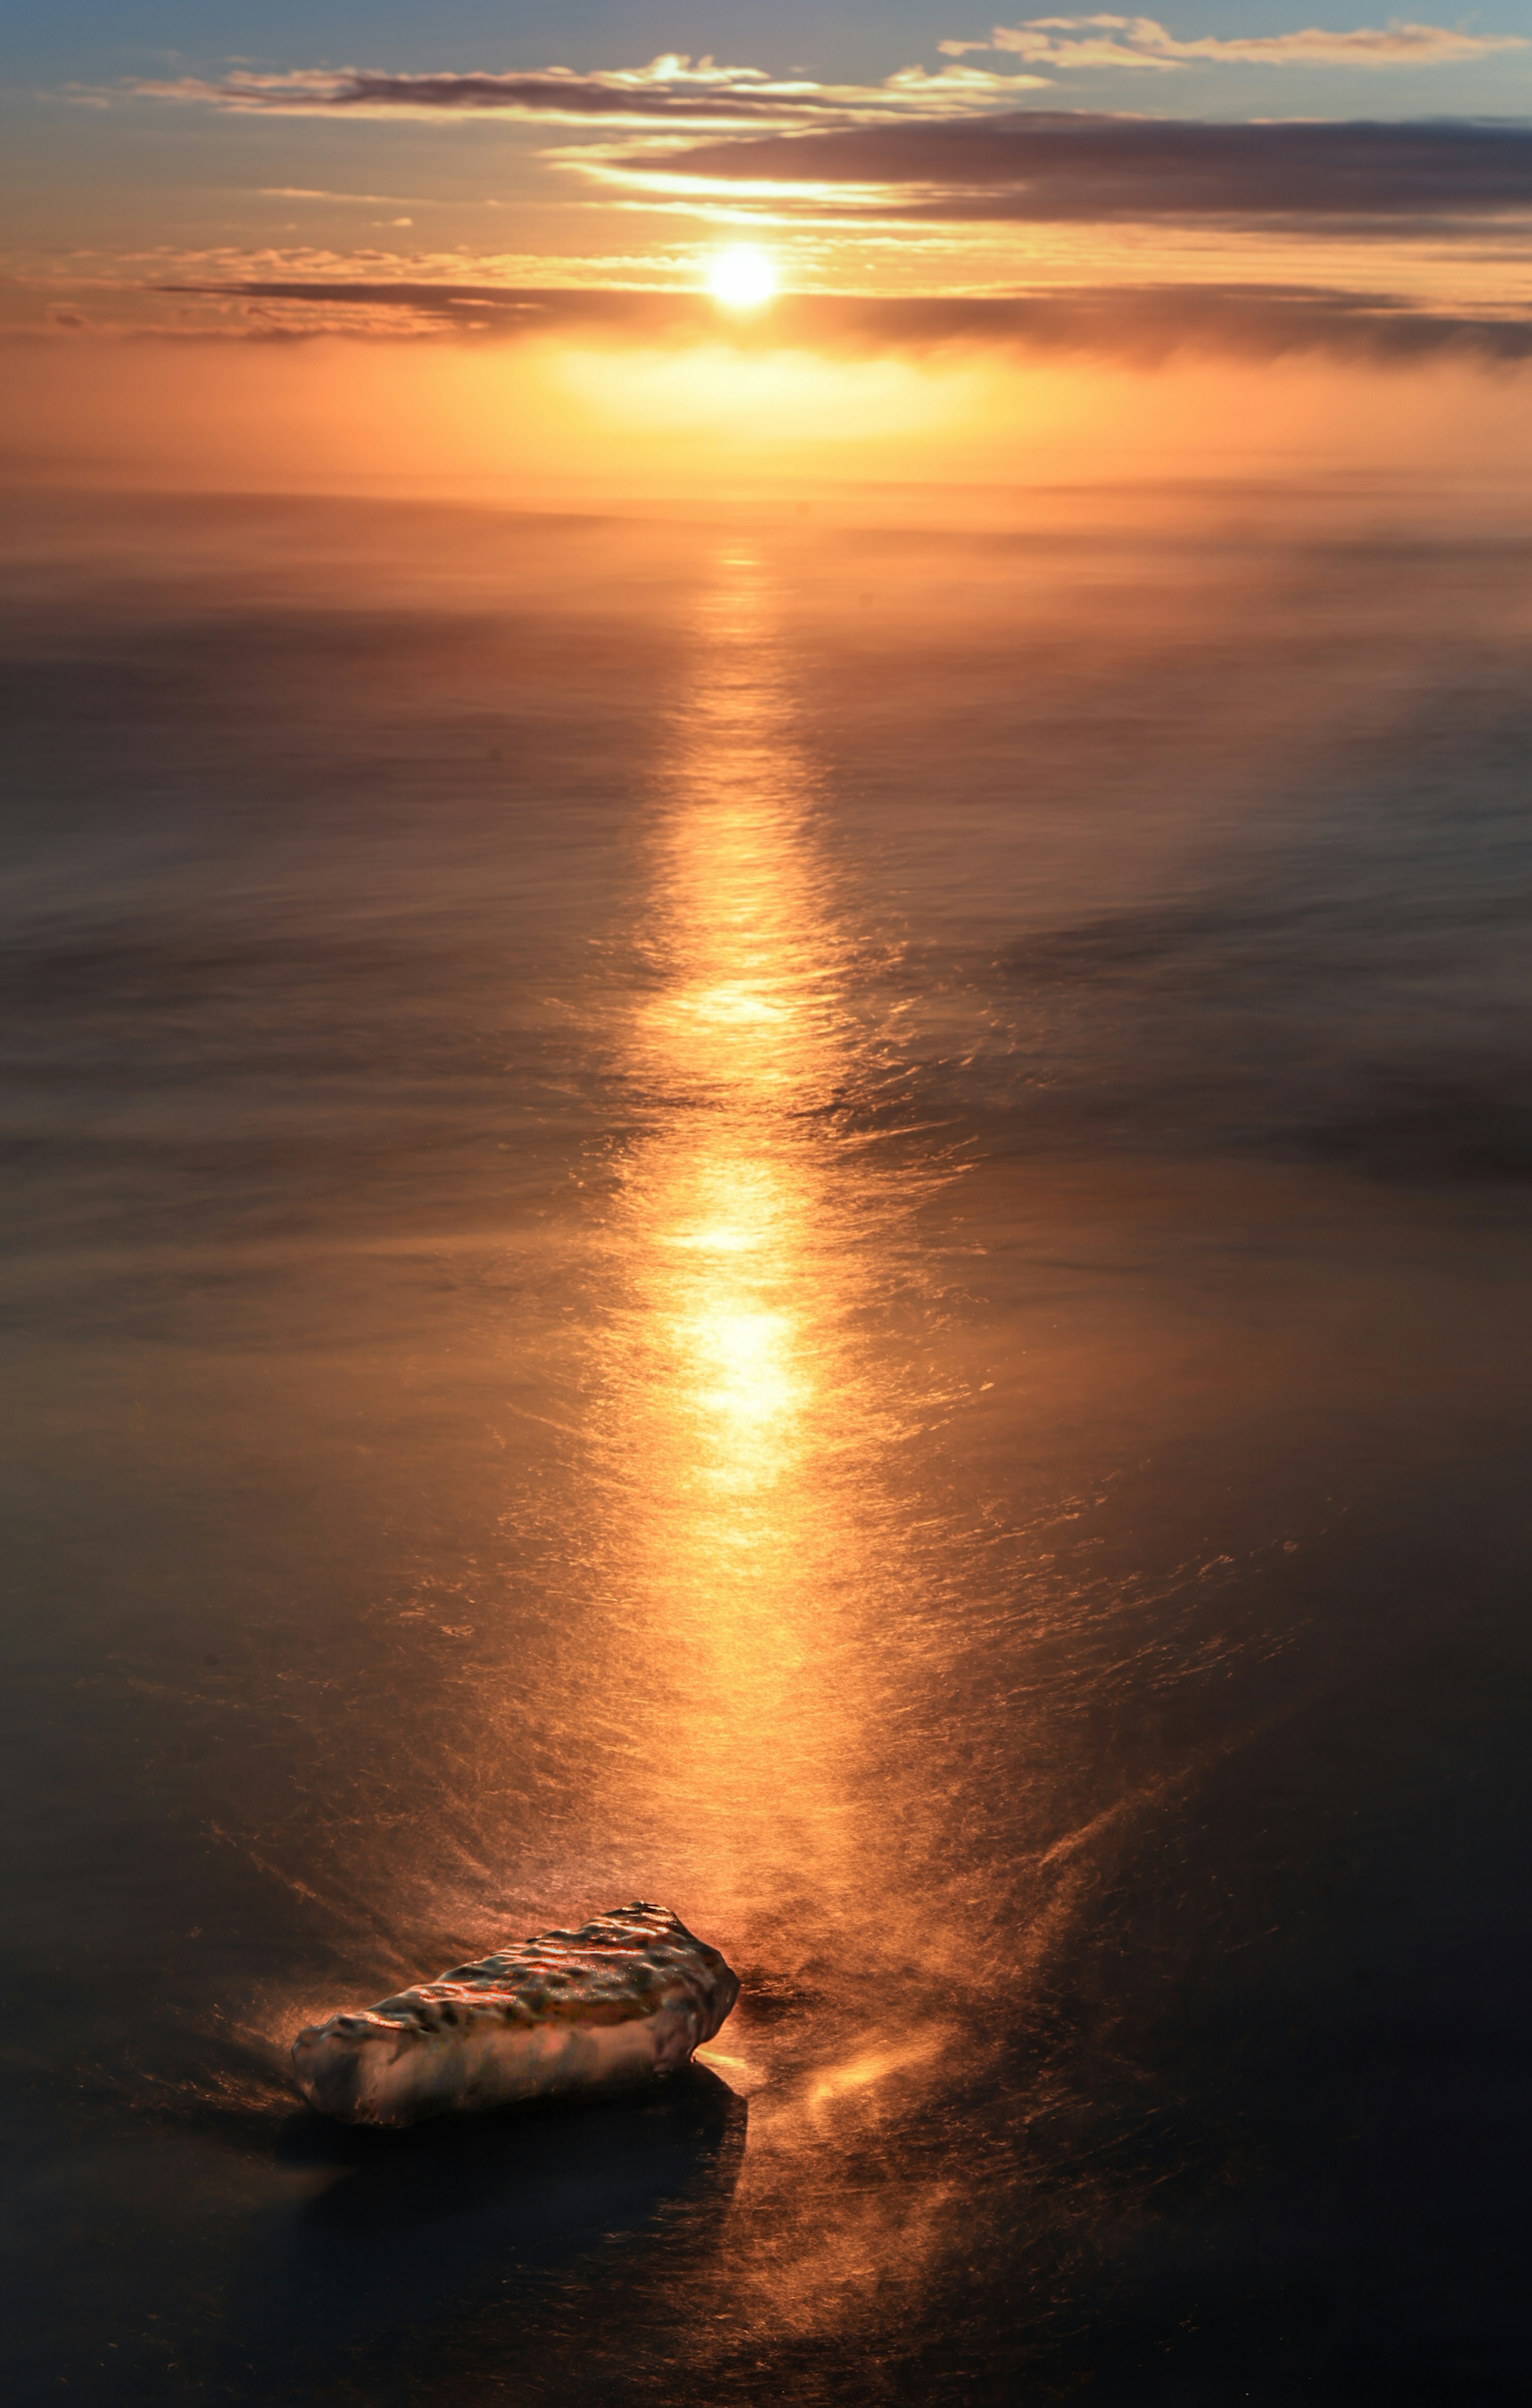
x=629, y=1995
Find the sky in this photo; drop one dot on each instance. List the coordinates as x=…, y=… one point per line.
x=943, y=200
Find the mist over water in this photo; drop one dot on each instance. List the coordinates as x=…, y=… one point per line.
x=828, y=1224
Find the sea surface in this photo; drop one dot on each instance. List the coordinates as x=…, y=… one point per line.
x=827, y=1223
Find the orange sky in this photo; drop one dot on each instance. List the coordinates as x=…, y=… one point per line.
x=477, y=257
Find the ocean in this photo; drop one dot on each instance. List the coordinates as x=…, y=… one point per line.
x=822, y=1218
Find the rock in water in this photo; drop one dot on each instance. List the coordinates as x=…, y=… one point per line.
x=629, y=1995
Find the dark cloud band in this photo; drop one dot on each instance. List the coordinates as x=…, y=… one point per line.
x=582, y=99
x=1142, y=324
x=1048, y=167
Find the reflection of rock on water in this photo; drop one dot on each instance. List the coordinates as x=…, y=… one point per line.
x=418, y=2229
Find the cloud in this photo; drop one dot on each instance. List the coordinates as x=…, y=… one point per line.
x=1074, y=42
x=1053, y=166
x=1145, y=325
x=671, y=90
x=312, y=192
x=676, y=90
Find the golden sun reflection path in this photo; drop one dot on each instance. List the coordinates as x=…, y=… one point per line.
x=741, y=1404
x=757, y=1556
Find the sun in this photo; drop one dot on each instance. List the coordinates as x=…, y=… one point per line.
x=743, y=279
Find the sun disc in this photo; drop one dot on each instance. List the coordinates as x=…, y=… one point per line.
x=742, y=278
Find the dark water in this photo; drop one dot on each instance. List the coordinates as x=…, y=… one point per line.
x=829, y=1227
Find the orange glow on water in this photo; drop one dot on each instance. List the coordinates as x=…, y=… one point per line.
x=744, y=1417
x=729, y=1218
x=752, y=1403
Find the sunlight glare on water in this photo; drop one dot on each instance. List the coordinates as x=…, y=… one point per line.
x=829, y=1227
x=747, y=1419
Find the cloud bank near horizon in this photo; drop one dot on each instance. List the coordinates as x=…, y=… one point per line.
x=1134, y=326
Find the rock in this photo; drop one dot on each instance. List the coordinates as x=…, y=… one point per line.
x=625, y=1998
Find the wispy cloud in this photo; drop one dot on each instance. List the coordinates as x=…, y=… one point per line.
x=1053, y=166
x=1068, y=43
x=310, y=193
x=671, y=90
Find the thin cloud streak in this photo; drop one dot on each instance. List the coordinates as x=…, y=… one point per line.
x=1141, y=325
x=1071, y=43
x=671, y=90
x=369, y=200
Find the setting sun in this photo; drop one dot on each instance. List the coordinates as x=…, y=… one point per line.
x=743, y=279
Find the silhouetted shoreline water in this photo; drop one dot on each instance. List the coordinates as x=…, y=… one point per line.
x=827, y=1226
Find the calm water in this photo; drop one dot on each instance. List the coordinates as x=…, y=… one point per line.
x=828, y=1226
